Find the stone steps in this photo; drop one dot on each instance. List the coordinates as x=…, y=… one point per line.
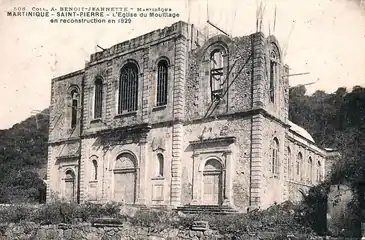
x=208, y=209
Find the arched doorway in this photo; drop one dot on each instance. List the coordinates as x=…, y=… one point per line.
x=125, y=179
x=70, y=186
x=212, y=180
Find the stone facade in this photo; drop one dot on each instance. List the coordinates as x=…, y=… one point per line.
x=221, y=137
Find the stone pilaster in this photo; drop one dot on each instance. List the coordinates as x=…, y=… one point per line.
x=286, y=169
x=286, y=93
x=85, y=102
x=145, y=86
x=228, y=195
x=81, y=177
x=178, y=113
x=196, y=180
x=258, y=60
x=256, y=159
x=109, y=94
x=143, y=170
x=50, y=163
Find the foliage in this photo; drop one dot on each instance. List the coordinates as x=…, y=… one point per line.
x=313, y=210
x=58, y=212
x=23, y=152
x=335, y=120
x=279, y=219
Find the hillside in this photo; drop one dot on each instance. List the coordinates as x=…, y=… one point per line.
x=334, y=120
x=23, y=159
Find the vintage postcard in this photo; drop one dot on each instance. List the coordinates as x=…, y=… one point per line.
x=184, y=119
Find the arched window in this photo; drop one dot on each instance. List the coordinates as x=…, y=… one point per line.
x=160, y=164
x=319, y=175
x=162, y=76
x=275, y=164
x=310, y=170
x=290, y=165
x=299, y=162
x=95, y=170
x=216, y=73
x=74, y=107
x=98, y=97
x=274, y=70
x=128, y=89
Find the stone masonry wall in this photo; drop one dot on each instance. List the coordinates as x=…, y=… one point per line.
x=60, y=109
x=272, y=186
x=239, y=128
x=86, y=231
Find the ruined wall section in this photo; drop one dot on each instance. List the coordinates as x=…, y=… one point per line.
x=64, y=141
x=243, y=75
x=60, y=108
x=237, y=164
x=279, y=108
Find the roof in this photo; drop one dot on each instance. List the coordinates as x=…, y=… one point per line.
x=301, y=131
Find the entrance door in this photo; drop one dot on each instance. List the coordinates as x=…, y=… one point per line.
x=125, y=179
x=212, y=189
x=124, y=187
x=212, y=180
x=70, y=186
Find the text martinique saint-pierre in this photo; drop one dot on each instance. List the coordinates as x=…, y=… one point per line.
x=71, y=14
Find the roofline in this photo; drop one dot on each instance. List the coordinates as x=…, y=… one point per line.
x=68, y=75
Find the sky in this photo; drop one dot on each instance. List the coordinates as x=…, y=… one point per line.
x=325, y=38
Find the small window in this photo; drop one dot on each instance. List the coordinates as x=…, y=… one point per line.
x=275, y=164
x=74, y=106
x=160, y=165
x=162, y=76
x=95, y=170
x=216, y=73
x=98, y=97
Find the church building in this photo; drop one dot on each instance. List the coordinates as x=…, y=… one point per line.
x=173, y=118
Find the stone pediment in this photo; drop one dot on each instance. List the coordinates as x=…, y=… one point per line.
x=213, y=143
x=69, y=151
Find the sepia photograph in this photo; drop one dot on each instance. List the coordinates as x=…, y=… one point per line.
x=183, y=119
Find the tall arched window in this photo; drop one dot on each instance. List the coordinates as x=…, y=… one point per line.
x=216, y=73
x=275, y=164
x=274, y=70
x=98, y=97
x=160, y=164
x=162, y=76
x=74, y=107
x=310, y=170
x=299, y=162
x=95, y=170
x=128, y=89
x=290, y=163
x=319, y=175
